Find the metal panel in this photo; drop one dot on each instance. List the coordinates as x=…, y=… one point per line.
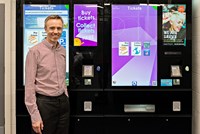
x=2, y=44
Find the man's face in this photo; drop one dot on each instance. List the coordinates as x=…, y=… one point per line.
x=53, y=29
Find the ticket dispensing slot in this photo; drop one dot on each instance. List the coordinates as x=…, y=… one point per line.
x=149, y=108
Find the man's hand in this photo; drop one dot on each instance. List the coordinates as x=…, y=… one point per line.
x=38, y=127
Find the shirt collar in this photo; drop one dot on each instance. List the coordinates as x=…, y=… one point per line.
x=49, y=45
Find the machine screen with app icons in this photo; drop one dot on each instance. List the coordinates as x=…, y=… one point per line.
x=134, y=45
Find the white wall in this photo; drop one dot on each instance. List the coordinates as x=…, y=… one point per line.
x=196, y=65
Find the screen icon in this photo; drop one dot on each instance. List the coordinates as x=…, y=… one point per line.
x=147, y=52
x=136, y=48
x=114, y=82
x=154, y=83
x=123, y=48
x=146, y=44
x=134, y=83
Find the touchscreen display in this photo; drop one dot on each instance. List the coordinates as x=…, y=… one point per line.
x=134, y=45
x=34, y=16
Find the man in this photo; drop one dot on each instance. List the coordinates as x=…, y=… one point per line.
x=46, y=95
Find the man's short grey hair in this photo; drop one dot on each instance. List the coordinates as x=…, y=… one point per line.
x=52, y=17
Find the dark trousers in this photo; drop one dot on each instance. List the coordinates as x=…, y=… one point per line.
x=55, y=113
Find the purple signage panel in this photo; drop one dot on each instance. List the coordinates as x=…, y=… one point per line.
x=85, y=25
x=134, y=45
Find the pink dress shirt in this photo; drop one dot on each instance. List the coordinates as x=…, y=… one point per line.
x=45, y=73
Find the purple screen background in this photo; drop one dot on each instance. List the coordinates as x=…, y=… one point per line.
x=134, y=23
x=88, y=11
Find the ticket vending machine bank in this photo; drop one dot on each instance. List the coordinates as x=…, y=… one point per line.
x=129, y=64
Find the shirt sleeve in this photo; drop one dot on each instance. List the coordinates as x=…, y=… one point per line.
x=30, y=87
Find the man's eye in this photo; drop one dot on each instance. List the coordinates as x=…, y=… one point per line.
x=59, y=28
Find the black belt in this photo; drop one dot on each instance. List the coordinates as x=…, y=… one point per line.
x=50, y=97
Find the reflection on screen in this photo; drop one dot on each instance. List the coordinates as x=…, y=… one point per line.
x=134, y=45
x=34, y=16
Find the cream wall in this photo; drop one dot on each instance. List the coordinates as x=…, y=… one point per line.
x=196, y=65
x=10, y=51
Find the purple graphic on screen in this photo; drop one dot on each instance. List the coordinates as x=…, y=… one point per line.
x=85, y=25
x=134, y=45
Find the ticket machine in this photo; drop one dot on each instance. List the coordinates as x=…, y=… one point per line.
x=129, y=63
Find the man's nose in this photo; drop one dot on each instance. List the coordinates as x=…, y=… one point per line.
x=55, y=30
